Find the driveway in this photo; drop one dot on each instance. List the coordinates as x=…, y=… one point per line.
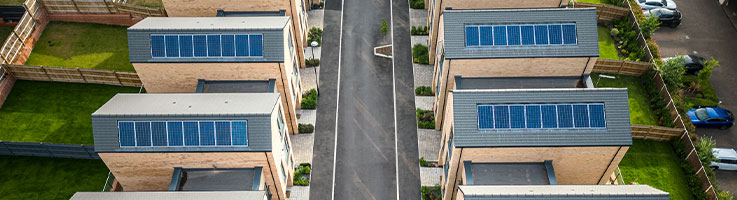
x=707, y=31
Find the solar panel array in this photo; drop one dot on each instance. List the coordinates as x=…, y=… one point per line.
x=187, y=46
x=520, y=35
x=541, y=116
x=182, y=133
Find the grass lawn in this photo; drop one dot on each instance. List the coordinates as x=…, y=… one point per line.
x=4, y=32
x=654, y=163
x=640, y=111
x=147, y=3
x=49, y=178
x=53, y=112
x=606, y=45
x=92, y=46
x=12, y=2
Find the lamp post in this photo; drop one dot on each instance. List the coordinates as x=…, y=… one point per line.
x=603, y=76
x=314, y=44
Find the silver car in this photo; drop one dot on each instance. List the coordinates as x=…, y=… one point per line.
x=650, y=4
x=726, y=159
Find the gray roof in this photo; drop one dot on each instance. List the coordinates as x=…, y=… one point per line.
x=217, y=179
x=584, y=18
x=509, y=173
x=244, y=86
x=518, y=82
x=467, y=134
x=560, y=192
x=211, y=23
x=171, y=195
x=194, y=104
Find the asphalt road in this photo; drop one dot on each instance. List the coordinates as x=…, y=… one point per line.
x=361, y=159
x=707, y=31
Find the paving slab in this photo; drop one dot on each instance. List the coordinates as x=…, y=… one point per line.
x=309, y=80
x=315, y=18
x=420, y=39
x=299, y=192
x=430, y=176
x=418, y=17
x=307, y=116
x=302, y=147
x=424, y=102
x=429, y=143
x=423, y=74
x=309, y=53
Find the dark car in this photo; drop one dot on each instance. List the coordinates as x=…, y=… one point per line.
x=711, y=117
x=666, y=16
x=692, y=63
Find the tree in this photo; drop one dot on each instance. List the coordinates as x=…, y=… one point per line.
x=672, y=71
x=705, y=73
x=648, y=26
x=704, y=149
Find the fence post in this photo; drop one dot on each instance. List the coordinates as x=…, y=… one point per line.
x=82, y=75
x=46, y=72
x=117, y=77
x=107, y=6
x=621, y=64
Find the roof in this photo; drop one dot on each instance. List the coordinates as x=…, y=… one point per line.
x=194, y=104
x=584, y=18
x=245, y=86
x=217, y=179
x=518, y=82
x=212, y=23
x=559, y=192
x=617, y=130
x=171, y=195
x=510, y=174
x=222, y=13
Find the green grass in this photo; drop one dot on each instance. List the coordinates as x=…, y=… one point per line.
x=639, y=102
x=4, y=32
x=12, y=2
x=607, y=50
x=147, y=3
x=92, y=46
x=49, y=178
x=53, y=112
x=654, y=163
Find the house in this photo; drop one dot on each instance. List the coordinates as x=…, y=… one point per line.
x=296, y=10
x=532, y=136
x=171, y=54
x=436, y=8
x=195, y=142
x=512, y=43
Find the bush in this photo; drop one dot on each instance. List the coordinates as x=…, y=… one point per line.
x=672, y=72
x=657, y=103
x=648, y=26
x=419, y=30
x=628, y=37
x=724, y=195
x=383, y=27
x=654, y=49
x=299, y=174
x=704, y=149
x=614, y=32
x=312, y=62
x=423, y=91
x=315, y=34
x=424, y=163
x=691, y=178
x=306, y=128
x=431, y=192
x=417, y=4
x=309, y=99
x=425, y=119
x=420, y=54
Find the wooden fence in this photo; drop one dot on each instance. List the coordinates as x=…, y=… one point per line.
x=48, y=150
x=16, y=41
x=624, y=67
x=100, y=7
x=75, y=75
x=655, y=132
x=605, y=13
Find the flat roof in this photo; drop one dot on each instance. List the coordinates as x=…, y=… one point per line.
x=509, y=174
x=217, y=179
x=212, y=23
x=245, y=86
x=530, y=192
x=171, y=195
x=518, y=82
x=191, y=104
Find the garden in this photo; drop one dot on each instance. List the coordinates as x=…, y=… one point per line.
x=425, y=119
x=654, y=163
x=82, y=45
x=53, y=112
x=49, y=178
x=147, y=3
x=641, y=111
x=5, y=32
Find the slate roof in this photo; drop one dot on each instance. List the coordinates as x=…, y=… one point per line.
x=244, y=86
x=192, y=104
x=585, y=19
x=560, y=192
x=467, y=134
x=517, y=82
x=211, y=23
x=172, y=195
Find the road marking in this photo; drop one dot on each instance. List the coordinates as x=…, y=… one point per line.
x=337, y=98
x=394, y=96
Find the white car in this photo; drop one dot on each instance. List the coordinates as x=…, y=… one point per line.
x=650, y=4
x=726, y=159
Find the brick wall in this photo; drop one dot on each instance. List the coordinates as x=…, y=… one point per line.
x=111, y=19
x=5, y=86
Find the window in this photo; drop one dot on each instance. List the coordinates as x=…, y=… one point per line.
x=182, y=133
x=546, y=116
x=524, y=35
x=213, y=45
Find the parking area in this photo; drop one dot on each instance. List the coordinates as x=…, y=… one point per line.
x=707, y=31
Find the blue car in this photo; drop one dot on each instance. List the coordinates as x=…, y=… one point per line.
x=711, y=117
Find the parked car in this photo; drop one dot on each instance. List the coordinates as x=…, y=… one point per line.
x=693, y=63
x=666, y=16
x=711, y=117
x=726, y=159
x=651, y=4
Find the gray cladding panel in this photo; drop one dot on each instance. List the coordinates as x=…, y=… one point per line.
x=568, y=197
x=456, y=20
x=139, y=46
x=617, y=132
x=106, y=137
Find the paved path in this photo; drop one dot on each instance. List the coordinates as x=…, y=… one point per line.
x=371, y=158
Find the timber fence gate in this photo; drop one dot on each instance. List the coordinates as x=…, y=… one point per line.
x=48, y=150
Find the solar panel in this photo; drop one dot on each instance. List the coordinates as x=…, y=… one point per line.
x=127, y=134
x=513, y=35
x=485, y=33
x=541, y=34
x=158, y=133
x=556, y=35
x=527, y=35
x=596, y=115
x=200, y=45
x=241, y=45
x=143, y=134
x=500, y=35
x=213, y=45
x=517, y=116
x=191, y=134
x=549, y=116
x=185, y=46
x=240, y=132
x=569, y=34
x=158, y=47
x=172, y=45
x=175, y=133
x=486, y=117
x=222, y=129
x=228, y=44
x=501, y=116
x=207, y=133
x=472, y=36
x=581, y=115
x=565, y=116
x=533, y=116
x=256, y=42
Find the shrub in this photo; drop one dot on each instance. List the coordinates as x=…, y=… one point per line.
x=312, y=62
x=691, y=178
x=724, y=195
x=315, y=34
x=628, y=37
x=420, y=54
x=672, y=72
x=417, y=4
x=424, y=163
x=383, y=27
x=705, y=73
x=423, y=91
x=419, y=30
x=654, y=49
x=299, y=174
x=614, y=32
x=306, y=128
x=648, y=26
x=431, y=192
x=657, y=103
x=704, y=149
x=425, y=119
x=309, y=99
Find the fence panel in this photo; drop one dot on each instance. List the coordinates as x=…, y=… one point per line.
x=48, y=150
x=605, y=12
x=74, y=75
x=655, y=132
x=15, y=42
x=624, y=67
x=101, y=7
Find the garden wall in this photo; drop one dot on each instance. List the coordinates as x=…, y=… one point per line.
x=48, y=150
x=6, y=84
